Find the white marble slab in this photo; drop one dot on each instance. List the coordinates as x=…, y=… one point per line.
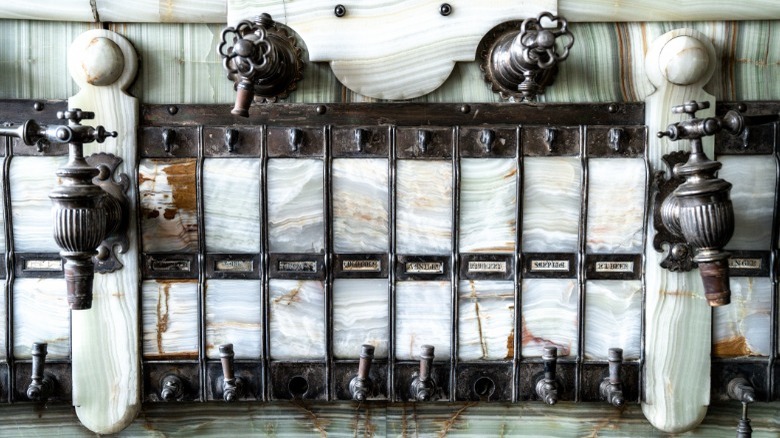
x=32, y=179
x=233, y=316
x=488, y=205
x=753, y=197
x=743, y=328
x=41, y=314
x=391, y=50
x=616, y=205
x=486, y=320
x=360, y=198
x=170, y=319
x=423, y=317
x=423, y=207
x=169, y=220
x=360, y=316
x=231, y=203
x=549, y=316
x=613, y=318
x=163, y=11
x=297, y=319
x=295, y=205
x=551, y=204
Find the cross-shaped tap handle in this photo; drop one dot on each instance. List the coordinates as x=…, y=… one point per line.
x=690, y=108
x=75, y=115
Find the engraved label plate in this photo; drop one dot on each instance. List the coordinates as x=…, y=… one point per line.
x=749, y=263
x=43, y=265
x=735, y=263
x=549, y=265
x=613, y=266
x=38, y=265
x=423, y=268
x=487, y=266
x=171, y=266
x=360, y=266
x=234, y=265
x=297, y=266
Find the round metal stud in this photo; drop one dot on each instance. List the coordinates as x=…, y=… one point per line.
x=322, y=109
x=613, y=108
x=445, y=9
x=173, y=109
x=465, y=109
x=340, y=11
x=741, y=107
x=38, y=106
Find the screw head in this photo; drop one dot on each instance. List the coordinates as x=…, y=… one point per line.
x=340, y=11
x=465, y=109
x=322, y=109
x=173, y=109
x=445, y=9
x=38, y=106
x=612, y=108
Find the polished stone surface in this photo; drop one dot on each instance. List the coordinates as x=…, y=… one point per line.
x=233, y=316
x=743, y=328
x=488, y=205
x=41, y=314
x=423, y=207
x=549, y=316
x=360, y=316
x=486, y=320
x=613, y=318
x=297, y=319
x=616, y=205
x=753, y=180
x=231, y=203
x=423, y=317
x=360, y=205
x=295, y=205
x=551, y=204
x=32, y=179
x=170, y=319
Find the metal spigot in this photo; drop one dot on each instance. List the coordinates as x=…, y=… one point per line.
x=521, y=63
x=89, y=208
x=547, y=387
x=42, y=384
x=740, y=389
x=611, y=387
x=232, y=386
x=360, y=386
x=423, y=386
x=263, y=61
x=172, y=388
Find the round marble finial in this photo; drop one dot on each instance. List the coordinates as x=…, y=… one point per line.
x=684, y=60
x=102, y=61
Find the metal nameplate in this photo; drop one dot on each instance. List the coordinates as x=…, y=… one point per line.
x=297, y=266
x=42, y=265
x=360, y=266
x=749, y=263
x=423, y=268
x=38, y=265
x=487, y=266
x=170, y=266
x=233, y=266
x=549, y=265
x=613, y=266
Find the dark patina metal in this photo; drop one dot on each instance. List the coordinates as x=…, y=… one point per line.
x=42, y=384
x=232, y=387
x=611, y=387
x=171, y=381
x=361, y=386
x=547, y=386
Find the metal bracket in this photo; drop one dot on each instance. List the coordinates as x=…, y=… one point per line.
x=680, y=254
x=116, y=185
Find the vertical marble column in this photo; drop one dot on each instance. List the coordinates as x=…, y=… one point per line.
x=677, y=317
x=106, y=357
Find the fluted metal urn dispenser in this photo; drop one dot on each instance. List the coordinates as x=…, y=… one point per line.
x=89, y=208
x=262, y=59
x=521, y=63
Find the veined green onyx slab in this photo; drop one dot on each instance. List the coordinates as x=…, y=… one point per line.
x=41, y=314
x=488, y=205
x=360, y=205
x=486, y=320
x=613, y=318
x=423, y=207
x=423, y=316
x=549, y=316
x=297, y=319
x=360, y=316
x=170, y=319
x=233, y=316
x=551, y=204
x=169, y=216
x=753, y=180
x=295, y=205
x=616, y=205
x=743, y=328
x=32, y=179
x=231, y=204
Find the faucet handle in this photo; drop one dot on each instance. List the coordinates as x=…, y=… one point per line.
x=423, y=386
x=690, y=108
x=547, y=386
x=232, y=387
x=75, y=115
x=42, y=384
x=172, y=388
x=360, y=385
x=611, y=387
x=739, y=388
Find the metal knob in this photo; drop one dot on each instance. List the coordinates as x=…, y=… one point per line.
x=360, y=386
x=547, y=387
x=42, y=384
x=172, y=388
x=232, y=387
x=611, y=387
x=423, y=386
x=740, y=389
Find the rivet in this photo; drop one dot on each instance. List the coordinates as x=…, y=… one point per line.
x=173, y=109
x=38, y=106
x=445, y=9
x=322, y=109
x=742, y=107
x=612, y=108
x=340, y=11
x=465, y=109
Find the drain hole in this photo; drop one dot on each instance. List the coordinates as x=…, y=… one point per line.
x=484, y=387
x=298, y=386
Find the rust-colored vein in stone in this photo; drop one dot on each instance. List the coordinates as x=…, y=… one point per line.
x=732, y=347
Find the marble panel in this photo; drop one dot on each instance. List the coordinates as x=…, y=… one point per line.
x=41, y=314
x=753, y=197
x=423, y=316
x=360, y=199
x=423, y=207
x=297, y=319
x=486, y=325
x=295, y=205
x=613, y=318
x=360, y=316
x=170, y=319
x=488, y=205
x=743, y=328
x=32, y=179
x=169, y=216
x=231, y=204
x=616, y=205
x=234, y=316
x=551, y=204
x=549, y=316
